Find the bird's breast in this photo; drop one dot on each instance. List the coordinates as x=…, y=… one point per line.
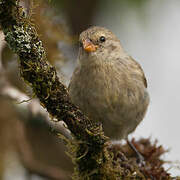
x=100, y=87
x=110, y=96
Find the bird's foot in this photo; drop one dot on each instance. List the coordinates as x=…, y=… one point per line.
x=140, y=159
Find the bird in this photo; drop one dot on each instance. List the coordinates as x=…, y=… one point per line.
x=108, y=85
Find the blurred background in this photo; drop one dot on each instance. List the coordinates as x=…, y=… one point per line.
x=149, y=32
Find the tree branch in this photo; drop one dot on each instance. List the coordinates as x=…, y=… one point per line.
x=53, y=95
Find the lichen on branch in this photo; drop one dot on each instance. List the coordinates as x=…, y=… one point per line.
x=22, y=38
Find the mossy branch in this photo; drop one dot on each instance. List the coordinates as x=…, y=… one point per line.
x=39, y=74
x=22, y=38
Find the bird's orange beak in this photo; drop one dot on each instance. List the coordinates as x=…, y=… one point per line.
x=89, y=46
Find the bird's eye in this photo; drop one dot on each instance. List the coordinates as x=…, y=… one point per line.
x=102, y=39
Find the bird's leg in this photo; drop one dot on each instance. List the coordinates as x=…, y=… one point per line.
x=140, y=158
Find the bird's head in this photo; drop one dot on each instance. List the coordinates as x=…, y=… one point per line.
x=98, y=43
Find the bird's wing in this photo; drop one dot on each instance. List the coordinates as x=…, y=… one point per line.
x=76, y=71
x=136, y=65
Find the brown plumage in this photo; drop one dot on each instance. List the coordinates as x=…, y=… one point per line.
x=107, y=84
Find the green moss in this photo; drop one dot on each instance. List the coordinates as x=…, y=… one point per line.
x=19, y=40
